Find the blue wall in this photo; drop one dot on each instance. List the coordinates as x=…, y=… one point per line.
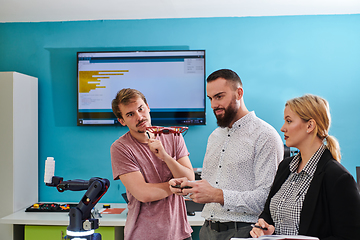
x=277, y=58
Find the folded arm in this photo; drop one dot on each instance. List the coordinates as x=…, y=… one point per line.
x=135, y=183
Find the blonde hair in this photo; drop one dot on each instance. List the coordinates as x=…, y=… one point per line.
x=314, y=107
x=125, y=96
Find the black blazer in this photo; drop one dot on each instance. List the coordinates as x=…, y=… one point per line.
x=331, y=208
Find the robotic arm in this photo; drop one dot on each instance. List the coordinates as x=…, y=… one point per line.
x=81, y=225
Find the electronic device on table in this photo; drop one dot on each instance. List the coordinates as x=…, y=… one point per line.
x=50, y=207
x=173, y=83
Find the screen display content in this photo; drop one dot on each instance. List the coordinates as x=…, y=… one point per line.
x=173, y=83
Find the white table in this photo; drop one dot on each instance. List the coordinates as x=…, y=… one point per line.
x=22, y=218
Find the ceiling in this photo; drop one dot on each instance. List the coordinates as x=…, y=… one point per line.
x=75, y=10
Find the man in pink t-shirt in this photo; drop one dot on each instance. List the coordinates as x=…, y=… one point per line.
x=144, y=164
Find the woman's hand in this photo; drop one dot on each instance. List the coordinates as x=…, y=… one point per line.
x=262, y=228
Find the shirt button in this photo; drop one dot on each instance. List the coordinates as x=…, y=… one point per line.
x=223, y=150
x=228, y=135
x=217, y=182
x=220, y=166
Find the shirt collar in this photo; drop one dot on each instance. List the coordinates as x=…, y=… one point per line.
x=310, y=166
x=243, y=121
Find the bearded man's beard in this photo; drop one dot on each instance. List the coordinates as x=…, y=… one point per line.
x=229, y=115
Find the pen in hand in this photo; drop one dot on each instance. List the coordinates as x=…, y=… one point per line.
x=147, y=133
x=257, y=226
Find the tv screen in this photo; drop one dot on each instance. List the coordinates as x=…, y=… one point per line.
x=173, y=83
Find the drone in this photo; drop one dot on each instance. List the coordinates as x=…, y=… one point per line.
x=166, y=130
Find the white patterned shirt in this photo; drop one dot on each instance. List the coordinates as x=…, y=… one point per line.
x=286, y=204
x=242, y=161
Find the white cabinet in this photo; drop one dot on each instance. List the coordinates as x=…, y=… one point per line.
x=18, y=145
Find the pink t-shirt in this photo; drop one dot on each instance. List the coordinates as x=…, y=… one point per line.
x=162, y=219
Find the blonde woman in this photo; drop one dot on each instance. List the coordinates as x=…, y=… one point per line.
x=312, y=193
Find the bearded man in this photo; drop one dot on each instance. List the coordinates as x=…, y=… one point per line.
x=240, y=163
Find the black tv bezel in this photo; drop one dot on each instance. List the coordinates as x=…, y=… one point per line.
x=154, y=123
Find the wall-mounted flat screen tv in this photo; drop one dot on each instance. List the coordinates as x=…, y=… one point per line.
x=173, y=83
